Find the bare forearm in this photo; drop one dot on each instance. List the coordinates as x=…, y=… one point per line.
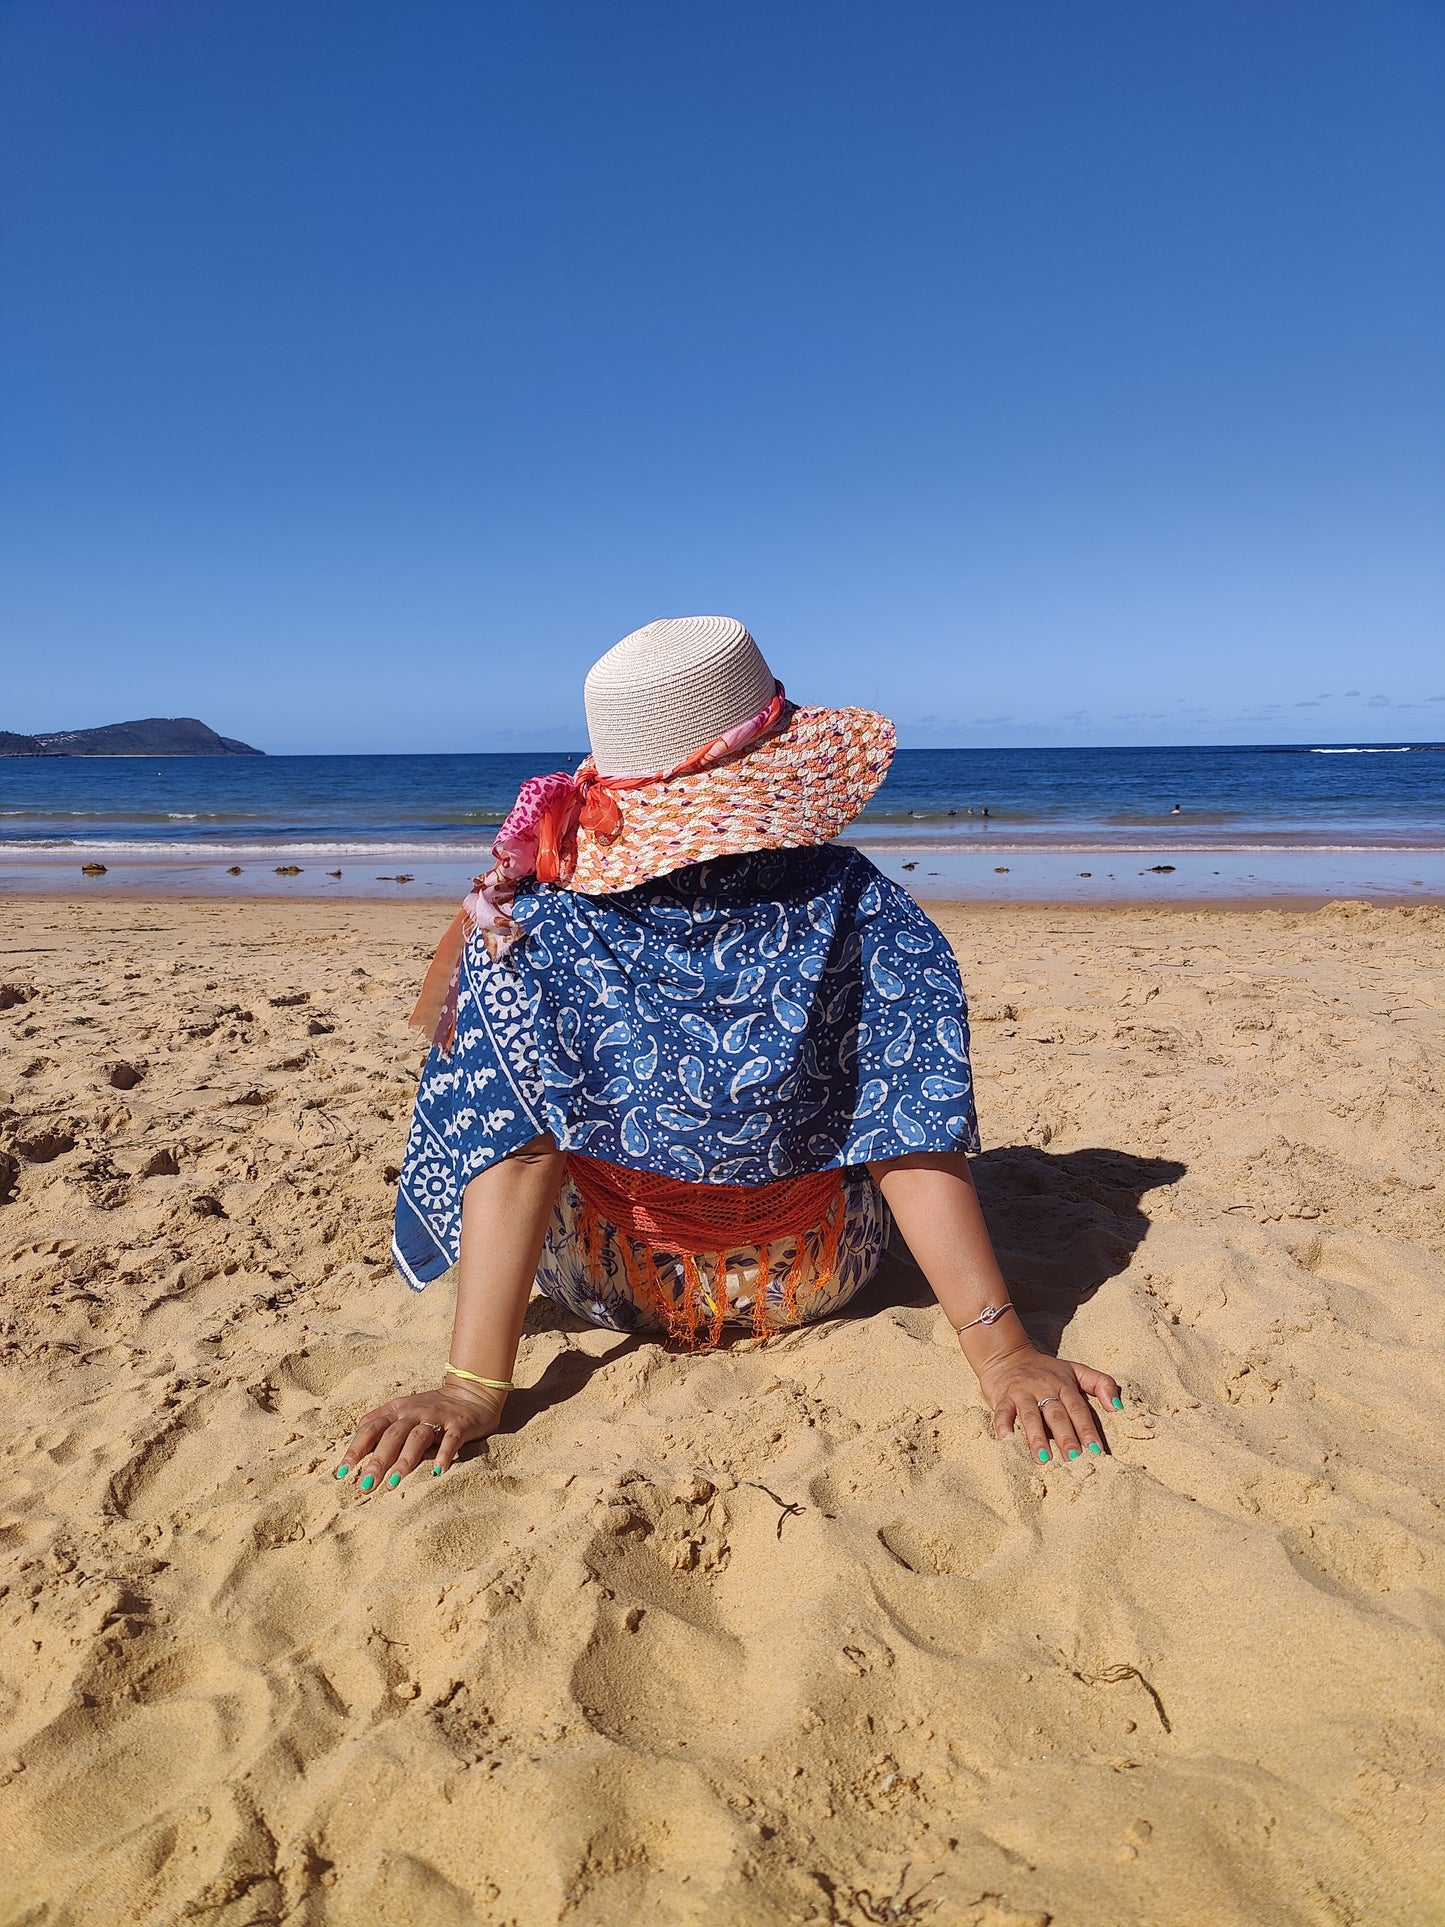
x=487, y=1326
x=933, y=1199
x=937, y=1209
x=504, y=1223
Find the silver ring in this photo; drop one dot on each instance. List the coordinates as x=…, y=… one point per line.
x=432, y=1426
x=1052, y=1399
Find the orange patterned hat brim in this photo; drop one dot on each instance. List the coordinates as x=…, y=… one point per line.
x=796, y=788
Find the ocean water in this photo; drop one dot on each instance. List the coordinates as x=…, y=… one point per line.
x=967, y=819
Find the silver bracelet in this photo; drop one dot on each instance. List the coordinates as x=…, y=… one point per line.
x=988, y=1316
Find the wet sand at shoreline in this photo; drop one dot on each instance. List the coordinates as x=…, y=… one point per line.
x=779, y=1635
x=996, y=868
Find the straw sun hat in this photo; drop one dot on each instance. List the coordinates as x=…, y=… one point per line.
x=692, y=738
x=696, y=754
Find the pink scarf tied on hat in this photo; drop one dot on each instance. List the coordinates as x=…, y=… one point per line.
x=539, y=839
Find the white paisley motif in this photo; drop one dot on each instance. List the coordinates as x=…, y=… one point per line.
x=741, y=1021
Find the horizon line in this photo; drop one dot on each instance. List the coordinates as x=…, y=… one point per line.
x=1357, y=742
x=1364, y=744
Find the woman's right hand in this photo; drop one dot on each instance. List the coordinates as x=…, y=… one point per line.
x=394, y=1439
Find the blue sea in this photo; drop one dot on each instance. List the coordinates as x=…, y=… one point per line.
x=1256, y=820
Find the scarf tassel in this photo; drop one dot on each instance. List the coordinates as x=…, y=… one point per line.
x=435, y=1010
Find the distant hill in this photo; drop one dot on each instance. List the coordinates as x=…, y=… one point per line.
x=151, y=736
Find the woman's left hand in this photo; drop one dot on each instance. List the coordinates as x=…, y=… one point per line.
x=1047, y=1396
x=393, y=1439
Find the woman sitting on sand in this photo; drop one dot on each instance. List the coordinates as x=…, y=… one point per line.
x=689, y=1056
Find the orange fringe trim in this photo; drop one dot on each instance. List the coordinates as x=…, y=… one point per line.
x=655, y=1216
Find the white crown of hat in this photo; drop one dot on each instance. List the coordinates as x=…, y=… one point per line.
x=671, y=687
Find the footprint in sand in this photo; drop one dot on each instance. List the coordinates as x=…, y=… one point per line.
x=952, y=1545
x=647, y=1678
x=170, y=1722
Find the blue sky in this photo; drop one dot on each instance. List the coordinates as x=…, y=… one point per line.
x=1038, y=374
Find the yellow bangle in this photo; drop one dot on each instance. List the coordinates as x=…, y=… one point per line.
x=497, y=1384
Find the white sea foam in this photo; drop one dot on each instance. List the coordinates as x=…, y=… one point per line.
x=479, y=854
x=164, y=851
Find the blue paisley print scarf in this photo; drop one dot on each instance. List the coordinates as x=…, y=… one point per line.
x=736, y=1022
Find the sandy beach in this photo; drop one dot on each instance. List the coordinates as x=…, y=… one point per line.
x=779, y=1635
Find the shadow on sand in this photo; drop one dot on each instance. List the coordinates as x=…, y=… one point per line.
x=1062, y=1224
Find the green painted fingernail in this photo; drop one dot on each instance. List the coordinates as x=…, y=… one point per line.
x=1094, y=1446
x=395, y=1479
x=1118, y=1404
x=1043, y=1455
x=342, y=1470
x=367, y=1483
x=1073, y=1451
x=436, y=1471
